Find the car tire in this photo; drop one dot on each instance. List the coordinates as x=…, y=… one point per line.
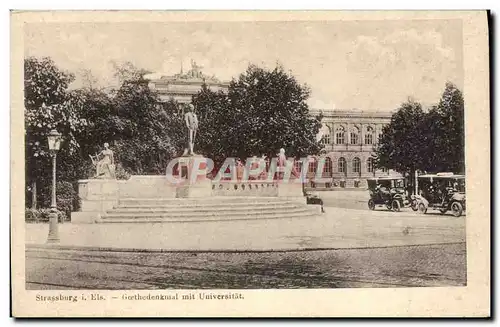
x=371, y=204
x=422, y=208
x=396, y=206
x=456, y=209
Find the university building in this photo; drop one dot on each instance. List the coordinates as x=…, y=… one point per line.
x=348, y=136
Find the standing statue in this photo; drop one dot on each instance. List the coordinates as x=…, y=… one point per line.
x=281, y=162
x=192, y=125
x=104, y=163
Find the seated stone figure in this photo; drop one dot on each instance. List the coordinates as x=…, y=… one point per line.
x=105, y=165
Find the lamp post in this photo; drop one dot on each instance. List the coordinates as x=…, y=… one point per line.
x=54, y=140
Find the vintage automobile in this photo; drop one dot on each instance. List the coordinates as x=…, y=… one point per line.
x=389, y=192
x=441, y=191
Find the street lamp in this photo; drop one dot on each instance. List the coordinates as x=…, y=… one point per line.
x=54, y=139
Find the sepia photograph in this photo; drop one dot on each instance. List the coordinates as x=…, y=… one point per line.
x=200, y=156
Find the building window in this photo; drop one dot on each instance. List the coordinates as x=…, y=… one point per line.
x=340, y=135
x=325, y=135
x=356, y=165
x=328, y=166
x=342, y=165
x=370, y=165
x=369, y=135
x=297, y=165
x=312, y=166
x=325, y=139
x=354, y=135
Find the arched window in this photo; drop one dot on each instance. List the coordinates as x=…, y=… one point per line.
x=297, y=165
x=369, y=135
x=328, y=166
x=340, y=135
x=312, y=165
x=342, y=165
x=354, y=135
x=356, y=165
x=370, y=165
x=324, y=133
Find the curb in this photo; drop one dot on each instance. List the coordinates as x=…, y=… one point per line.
x=138, y=250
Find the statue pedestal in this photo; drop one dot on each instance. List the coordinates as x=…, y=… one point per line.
x=291, y=191
x=194, y=184
x=97, y=196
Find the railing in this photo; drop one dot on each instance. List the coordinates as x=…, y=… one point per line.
x=248, y=188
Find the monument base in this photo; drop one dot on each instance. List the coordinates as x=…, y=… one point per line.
x=200, y=189
x=97, y=196
x=292, y=191
x=85, y=217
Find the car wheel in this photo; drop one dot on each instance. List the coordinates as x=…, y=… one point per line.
x=371, y=204
x=456, y=209
x=422, y=208
x=396, y=206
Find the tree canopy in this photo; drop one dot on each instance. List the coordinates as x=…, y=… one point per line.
x=431, y=141
x=263, y=111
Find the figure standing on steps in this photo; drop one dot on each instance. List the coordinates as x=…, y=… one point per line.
x=192, y=125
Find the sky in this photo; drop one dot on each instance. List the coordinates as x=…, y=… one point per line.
x=365, y=65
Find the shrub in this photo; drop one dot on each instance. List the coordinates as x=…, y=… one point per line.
x=66, y=197
x=42, y=215
x=121, y=173
x=31, y=215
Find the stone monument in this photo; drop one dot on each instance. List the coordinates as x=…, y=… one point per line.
x=190, y=164
x=99, y=193
x=192, y=126
x=104, y=163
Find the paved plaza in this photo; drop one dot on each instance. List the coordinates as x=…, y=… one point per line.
x=408, y=266
x=348, y=246
x=338, y=228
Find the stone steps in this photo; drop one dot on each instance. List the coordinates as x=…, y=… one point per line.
x=214, y=201
x=172, y=219
x=135, y=210
x=221, y=207
x=201, y=213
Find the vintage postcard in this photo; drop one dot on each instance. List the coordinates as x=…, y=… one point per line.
x=250, y=164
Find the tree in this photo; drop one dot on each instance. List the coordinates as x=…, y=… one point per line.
x=127, y=71
x=48, y=105
x=431, y=142
x=400, y=144
x=263, y=111
x=214, y=113
x=144, y=141
x=446, y=125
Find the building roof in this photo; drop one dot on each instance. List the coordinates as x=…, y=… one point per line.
x=192, y=76
x=353, y=113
